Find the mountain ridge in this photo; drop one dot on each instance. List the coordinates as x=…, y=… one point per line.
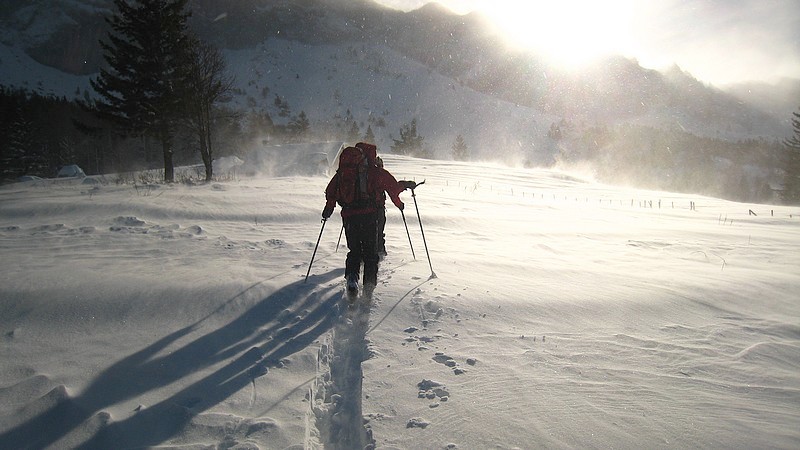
x=460, y=47
x=359, y=64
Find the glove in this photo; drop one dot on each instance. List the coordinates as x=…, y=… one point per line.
x=408, y=184
x=327, y=212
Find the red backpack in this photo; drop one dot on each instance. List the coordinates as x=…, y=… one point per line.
x=352, y=188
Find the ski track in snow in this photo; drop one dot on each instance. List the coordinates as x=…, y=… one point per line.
x=337, y=392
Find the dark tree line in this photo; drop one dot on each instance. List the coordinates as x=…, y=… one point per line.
x=791, y=164
x=159, y=87
x=39, y=134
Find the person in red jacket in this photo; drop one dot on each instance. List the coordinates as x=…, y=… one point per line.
x=360, y=221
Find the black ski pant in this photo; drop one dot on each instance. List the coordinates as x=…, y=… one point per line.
x=361, y=232
x=380, y=243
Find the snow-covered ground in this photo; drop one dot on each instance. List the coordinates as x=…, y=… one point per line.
x=563, y=314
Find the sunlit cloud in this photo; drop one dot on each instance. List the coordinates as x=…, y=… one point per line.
x=721, y=41
x=568, y=32
x=717, y=41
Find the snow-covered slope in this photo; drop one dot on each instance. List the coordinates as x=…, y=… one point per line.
x=19, y=70
x=383, y=89
x=564, y=313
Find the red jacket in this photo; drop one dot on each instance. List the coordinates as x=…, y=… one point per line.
x=378, y=181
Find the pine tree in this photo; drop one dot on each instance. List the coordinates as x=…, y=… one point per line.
x=148, y=57
x=460, y=152
x=410, y=143
x=19, y=147
x=369, y=136
x=352, y=135
x=299, y=126
x=791, y=179
x=283, y=106
x=258, y=124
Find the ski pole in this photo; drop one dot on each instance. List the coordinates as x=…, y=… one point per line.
x=414, y=196
x=409, y=234
x=340, y=239
x=315, y=249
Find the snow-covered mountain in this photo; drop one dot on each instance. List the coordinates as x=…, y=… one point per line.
x=342, y=59
x=781, y=100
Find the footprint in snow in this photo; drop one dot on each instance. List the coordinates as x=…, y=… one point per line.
x=433, y=390
x=417, y=422
x=195, y=230
x=441, y=358
x=129, y=221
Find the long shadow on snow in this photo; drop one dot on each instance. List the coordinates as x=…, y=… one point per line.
x=260, y=336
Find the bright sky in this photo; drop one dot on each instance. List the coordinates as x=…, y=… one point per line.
x=717, y=41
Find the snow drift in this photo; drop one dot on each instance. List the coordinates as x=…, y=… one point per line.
x=565, y=314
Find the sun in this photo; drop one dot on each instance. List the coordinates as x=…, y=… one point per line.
x=570, y=33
